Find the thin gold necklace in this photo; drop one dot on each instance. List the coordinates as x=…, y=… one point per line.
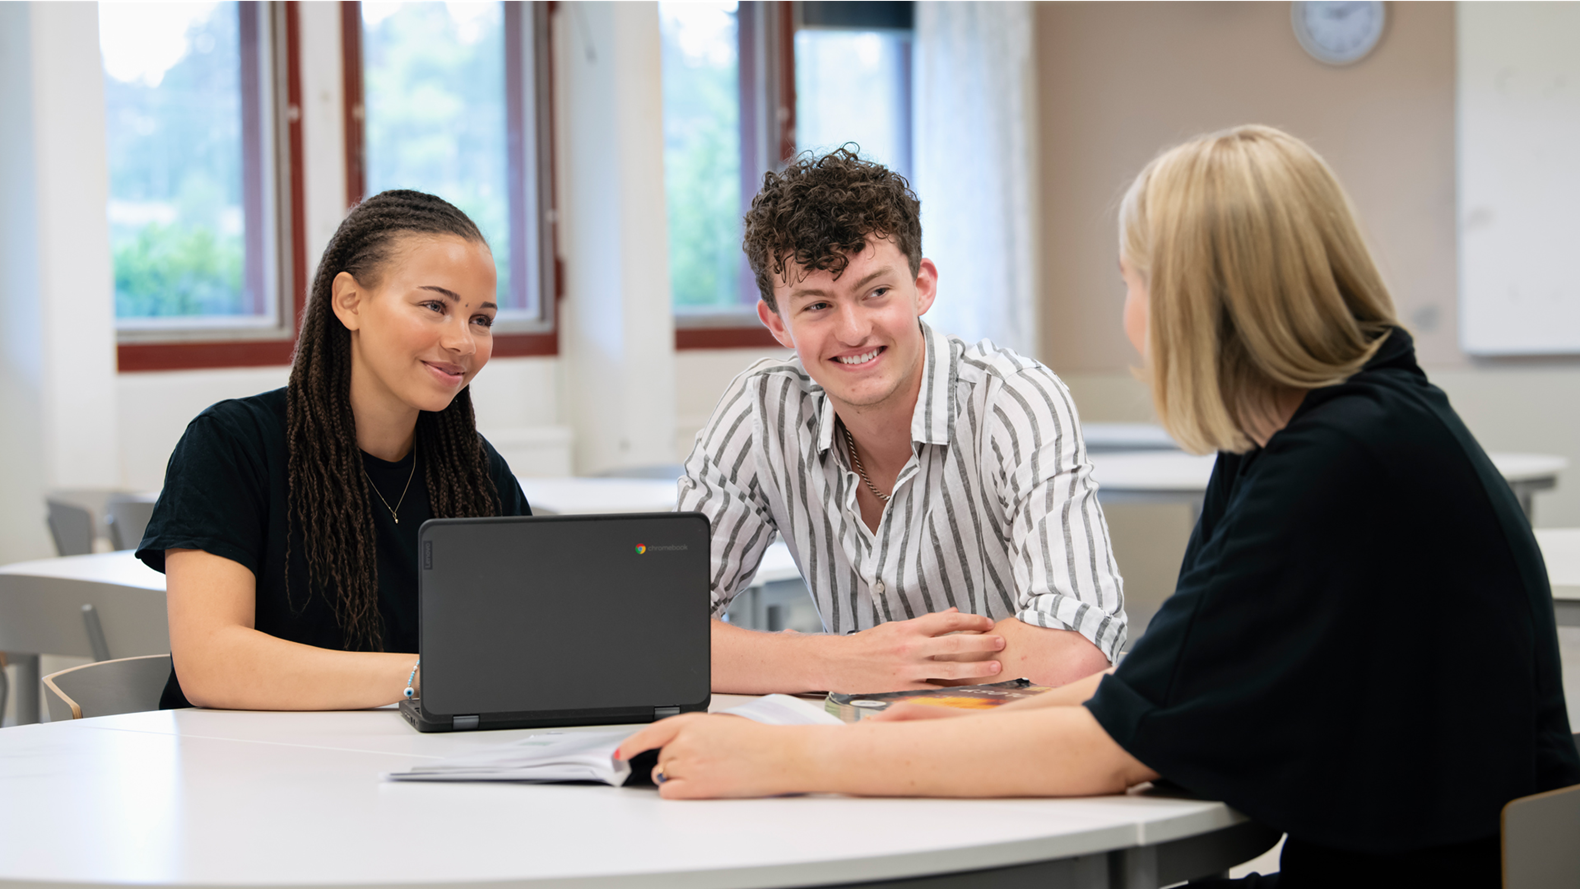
x=850, y=443
x=394, y=510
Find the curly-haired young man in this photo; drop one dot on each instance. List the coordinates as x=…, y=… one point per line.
x=936, y=495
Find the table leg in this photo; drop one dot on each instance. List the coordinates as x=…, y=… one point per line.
x=27, y=686
x=1134, y=868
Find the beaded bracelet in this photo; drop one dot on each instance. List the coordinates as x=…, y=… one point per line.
x=412, y=677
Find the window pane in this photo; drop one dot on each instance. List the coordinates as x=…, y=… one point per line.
x=854, y=86
x=702, y=154
x=434, y=99
x=174, y=79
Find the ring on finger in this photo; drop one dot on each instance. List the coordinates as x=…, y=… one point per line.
x=658, y=775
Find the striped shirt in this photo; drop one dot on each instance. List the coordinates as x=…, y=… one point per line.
x=995, y=513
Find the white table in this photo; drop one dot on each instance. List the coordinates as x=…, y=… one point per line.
x=197, y=797
x=43, y=611
x=1175, y=476
x=1561, y=552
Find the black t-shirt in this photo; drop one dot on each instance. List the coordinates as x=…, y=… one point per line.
x=225, y=493
x=1361, y=647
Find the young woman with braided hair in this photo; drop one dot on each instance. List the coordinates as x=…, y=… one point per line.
x=288, y=523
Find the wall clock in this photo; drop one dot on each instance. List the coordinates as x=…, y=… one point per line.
x=1338, y=33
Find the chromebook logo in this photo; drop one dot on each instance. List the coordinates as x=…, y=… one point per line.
x=641, y=548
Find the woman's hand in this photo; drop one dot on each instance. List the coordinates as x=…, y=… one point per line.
x=707, y=755
x=905, y=711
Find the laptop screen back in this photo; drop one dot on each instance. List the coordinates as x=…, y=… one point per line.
x=564, y=613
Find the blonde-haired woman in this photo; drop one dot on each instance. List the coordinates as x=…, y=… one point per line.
x=1360, y=649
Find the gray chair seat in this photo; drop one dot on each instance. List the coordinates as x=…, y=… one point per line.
x=125, y=685
x=71, y=526
x=128, y=519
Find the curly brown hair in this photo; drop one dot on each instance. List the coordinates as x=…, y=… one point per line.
x=819, y=212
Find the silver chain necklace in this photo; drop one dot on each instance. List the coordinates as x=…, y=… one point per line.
x=850, y=444
x=395, y=509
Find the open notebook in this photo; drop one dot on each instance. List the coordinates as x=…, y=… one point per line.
x=548, y=757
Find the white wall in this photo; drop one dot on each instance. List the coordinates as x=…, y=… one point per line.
x=22, y=484
x=76, y=283
x=700, y=378
x=617, y=331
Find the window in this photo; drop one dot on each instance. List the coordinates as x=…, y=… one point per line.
x=450, y=98
x=702, y=156
x=202, y=254
x=853, y=81
x=746, y=87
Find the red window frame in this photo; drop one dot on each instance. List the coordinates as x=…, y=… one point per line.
x=190, y=355
x=768, y=100
x=506, y=345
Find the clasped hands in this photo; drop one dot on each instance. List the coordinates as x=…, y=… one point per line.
x=939, y=649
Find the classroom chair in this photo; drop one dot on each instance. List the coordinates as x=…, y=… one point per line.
x=71, y=526
x=1539, y=831
x=126, y=685
x=128, y=519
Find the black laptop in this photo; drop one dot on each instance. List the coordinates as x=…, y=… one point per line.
x=537, y=621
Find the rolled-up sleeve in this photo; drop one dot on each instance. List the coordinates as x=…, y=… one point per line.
x=1060, y=553
x=721, y=482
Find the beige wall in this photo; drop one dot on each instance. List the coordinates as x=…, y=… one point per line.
x=1120, y=81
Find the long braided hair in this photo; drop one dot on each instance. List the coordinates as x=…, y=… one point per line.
x=328, y=499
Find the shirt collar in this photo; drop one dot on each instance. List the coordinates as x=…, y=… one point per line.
x=933, y=420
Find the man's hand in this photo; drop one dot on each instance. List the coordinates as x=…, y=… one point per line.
x=923, y=652
x=1046, y=657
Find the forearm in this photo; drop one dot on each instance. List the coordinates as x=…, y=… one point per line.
x=747, y=662
x=1047, y=657
x=1050, y=752
x=239, y=668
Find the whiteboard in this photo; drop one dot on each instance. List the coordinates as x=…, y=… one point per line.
x=1519, y=178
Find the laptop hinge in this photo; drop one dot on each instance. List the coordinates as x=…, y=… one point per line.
x=462, y=723
x=662, y=712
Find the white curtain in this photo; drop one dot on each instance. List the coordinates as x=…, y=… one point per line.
x=974, y=125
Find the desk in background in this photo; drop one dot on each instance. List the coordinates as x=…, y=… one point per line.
x=42, y=611
x=1561, y=552
x=200, y=797
x=1175, y=476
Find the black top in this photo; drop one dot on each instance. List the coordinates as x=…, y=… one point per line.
x=225, y=493
x=1361, y=648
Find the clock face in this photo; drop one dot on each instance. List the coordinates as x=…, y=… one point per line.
x=1338, y=33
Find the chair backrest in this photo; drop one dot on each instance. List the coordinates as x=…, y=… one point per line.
x=128, y=519
x=71, y=526
x=126, y=685
x=1540, y=833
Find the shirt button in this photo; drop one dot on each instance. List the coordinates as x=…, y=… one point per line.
x=877, y=587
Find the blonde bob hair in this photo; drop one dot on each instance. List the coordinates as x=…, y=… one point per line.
x=1258, y=282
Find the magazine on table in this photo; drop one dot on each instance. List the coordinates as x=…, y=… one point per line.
x=854, y=708
x=552, y=757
